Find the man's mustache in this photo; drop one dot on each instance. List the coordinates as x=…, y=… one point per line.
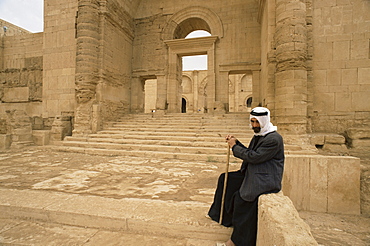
x=256, y=129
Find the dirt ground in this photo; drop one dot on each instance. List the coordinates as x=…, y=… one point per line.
x=40, y=168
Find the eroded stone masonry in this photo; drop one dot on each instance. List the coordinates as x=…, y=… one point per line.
x=308, y=61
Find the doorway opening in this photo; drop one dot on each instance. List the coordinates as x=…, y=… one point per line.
x=150, y=95
x=194, y=70
x=240, y=91
x=183, y=105
x=195, y=62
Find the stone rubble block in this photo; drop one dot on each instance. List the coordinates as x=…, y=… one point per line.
x=358, y=133
x=360, y=137
x=5, y=141
x=41, y=137
x=279, y=223
x=335, y=139
x=361, y=143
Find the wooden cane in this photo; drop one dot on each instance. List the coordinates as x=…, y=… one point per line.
x=225, y=184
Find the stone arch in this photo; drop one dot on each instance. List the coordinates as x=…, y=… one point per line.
x=246, y=81
x=199, y=18
x=187, y=84
x=231, y=86
x=184, y=104
x=202, y=90
x=248, y=101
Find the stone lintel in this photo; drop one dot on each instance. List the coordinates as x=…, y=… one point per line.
x=186, y=46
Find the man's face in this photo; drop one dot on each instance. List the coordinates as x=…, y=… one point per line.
x=255, y=125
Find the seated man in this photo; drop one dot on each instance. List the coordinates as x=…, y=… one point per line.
x=261, y=172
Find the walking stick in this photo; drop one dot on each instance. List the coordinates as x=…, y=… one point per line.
x=225, y=184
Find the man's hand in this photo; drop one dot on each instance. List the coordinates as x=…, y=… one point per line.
x=231, y=140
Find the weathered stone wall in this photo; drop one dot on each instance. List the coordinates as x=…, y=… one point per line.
x=8, y=29
x=291, y=66
x=59, y=56
x=341, y=65
x=238, y=36
x=21, y=74
x=316, y=183
x=21, y=77
x=114, y=87
x=103, y=73
x=264, y=92
x=309, y=60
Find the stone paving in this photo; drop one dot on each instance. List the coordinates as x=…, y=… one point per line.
x=39, y=179
x=169, y=198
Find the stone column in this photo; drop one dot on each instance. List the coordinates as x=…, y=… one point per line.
x=87, y=67
x=291, y=72
x=174, y=83
x=161, y=93
x=137, y=94
x=211, y=77
x=256, y=90
x=195, y=91
x=224, y=80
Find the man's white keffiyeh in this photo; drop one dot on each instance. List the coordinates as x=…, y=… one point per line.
x=263, y=116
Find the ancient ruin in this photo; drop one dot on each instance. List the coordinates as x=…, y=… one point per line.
x=308, y=61
x=99, y=62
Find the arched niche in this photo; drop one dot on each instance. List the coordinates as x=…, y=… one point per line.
x=190, y=19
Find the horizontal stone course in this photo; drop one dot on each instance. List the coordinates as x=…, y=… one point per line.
x=200, y=136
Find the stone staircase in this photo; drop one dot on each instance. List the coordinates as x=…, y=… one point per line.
x=171, y=136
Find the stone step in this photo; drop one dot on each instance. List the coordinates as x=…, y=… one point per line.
x=174, y=149
x=182, y=136
x=183, y=127
x=181, y=219
x=21, y=144
x=220, y=157
x=173, y=133
x=173, y=129
x=165, y=137
x=170, y=141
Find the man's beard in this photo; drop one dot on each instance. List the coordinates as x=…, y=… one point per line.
x=256, y=129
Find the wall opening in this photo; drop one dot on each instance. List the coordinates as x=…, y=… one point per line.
x=195, y=62
x=183, y=105
x=150, y=95
x=240, y=91
x=249, y=102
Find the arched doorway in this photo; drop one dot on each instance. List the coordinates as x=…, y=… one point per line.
x=249, y=102
x=183, y=105
x=174, y=34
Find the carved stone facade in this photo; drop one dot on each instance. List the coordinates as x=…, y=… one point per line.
x=306, y=60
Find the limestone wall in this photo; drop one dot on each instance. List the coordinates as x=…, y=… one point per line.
x=309, y=60
x=341, y=65
x=237, y=46
x=329, y=184
x=113, y=89
x=21, y=74
x=266, y=95
x=9, y=29
x=59, y=56
x=21, y=77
